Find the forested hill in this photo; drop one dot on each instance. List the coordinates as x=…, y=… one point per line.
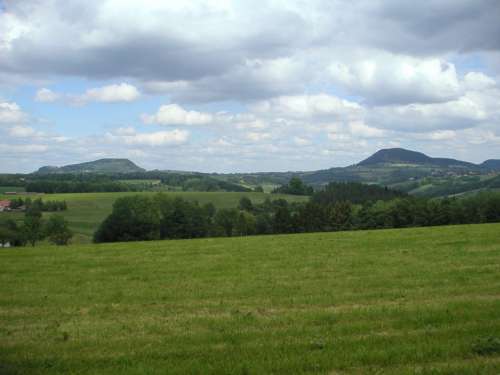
x=402, y=156
x=97, y=166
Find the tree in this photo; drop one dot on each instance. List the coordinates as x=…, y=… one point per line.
x=133, y=218
x=282, y=220
x=246, y=204
x=6, y=236
x=57, y=229
x=246, y=224
x=296, y=187
x=226, y=218
x=32, y=229
x=340, y=215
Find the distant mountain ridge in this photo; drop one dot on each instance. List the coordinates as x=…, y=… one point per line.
x=98, y=166
x=403, y=156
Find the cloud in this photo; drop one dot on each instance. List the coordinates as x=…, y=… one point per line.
x=23, y=149
x=312, y=84
x=173, y=114
x=307, y=106
x=478, y=81
x=388, y=79
x=210, y=51
x=45, y=95
x=362, y=130
x=299, y=141
x=122, y=92
x=11, y=113
x=129, y=136
x=23, y=131
x=257, y=137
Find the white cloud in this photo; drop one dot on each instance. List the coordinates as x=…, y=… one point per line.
x=362, y=130
x=129, y=136
x=23, y=131
x=173, y=114
x=308, y=106
x=11, y=113
x=122, y=92
x=27, y=148
x=257, y=137
x=45, y=95
x=442, y=135
x=478, y=81
x=299, y=141
x=392, y=79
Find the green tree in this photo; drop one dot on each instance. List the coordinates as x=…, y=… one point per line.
x=226, y=218
x=246, y=204
x=6, y=236
x=57, y=229
x=135, y=218
x=340, y=215
x=246, y=224
x=282, y=220
x=32, y=229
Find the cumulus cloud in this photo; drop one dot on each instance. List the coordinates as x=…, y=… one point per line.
x=313, y=84
x=173, y=114
x=11, y=113
x=307, y=106
x=23, y=149
x=129, y=136
x=45, y=95
x=257, y=137
x=208, y=50
x=23, y=131
x=122, y=92
x=388, y=79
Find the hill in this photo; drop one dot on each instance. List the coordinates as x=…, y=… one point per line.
x=406, y=170
x=409, y=171
x=491, y=164
x=385, y=302
x=97, y=166
x=403, y=156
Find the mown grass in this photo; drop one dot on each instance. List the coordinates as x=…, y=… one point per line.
x=423, y=300
x=87, y=210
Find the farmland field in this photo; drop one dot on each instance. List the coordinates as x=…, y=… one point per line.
x=423, y=300
x=87, y=210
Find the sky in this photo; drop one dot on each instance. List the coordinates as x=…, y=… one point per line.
x=245, y=86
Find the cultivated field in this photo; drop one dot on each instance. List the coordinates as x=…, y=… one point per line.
x=409, y=301
x=87, y=210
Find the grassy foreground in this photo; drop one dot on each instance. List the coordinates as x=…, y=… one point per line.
x=87, y=210
x=423, y=300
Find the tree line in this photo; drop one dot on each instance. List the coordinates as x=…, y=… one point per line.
x=41, y=205
x=161, y=217
x=34, y=228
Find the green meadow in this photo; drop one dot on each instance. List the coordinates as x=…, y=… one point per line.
x=410, y=301
x=87, y=210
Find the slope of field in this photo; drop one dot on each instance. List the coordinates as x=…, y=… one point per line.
x=87, y=210
x=423, y=300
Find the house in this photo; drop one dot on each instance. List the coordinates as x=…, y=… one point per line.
x=4, y=205
x=5, y=244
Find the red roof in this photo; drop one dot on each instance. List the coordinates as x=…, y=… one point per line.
x=5, y=203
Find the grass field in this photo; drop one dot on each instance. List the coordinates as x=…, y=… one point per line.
x=87, y=210
x=412, y=301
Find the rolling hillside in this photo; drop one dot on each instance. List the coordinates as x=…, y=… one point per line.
x=410, y=171
x=368, y=302
x=97, y=166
